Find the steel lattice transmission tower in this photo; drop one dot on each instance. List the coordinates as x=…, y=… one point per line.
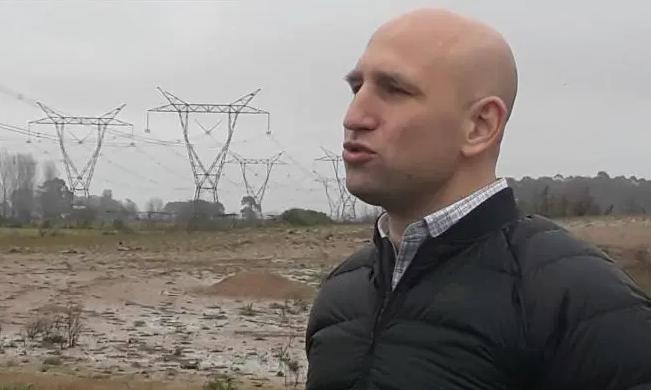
x=256, y=195
x=333, y=203
x=79, y=180
x=343, y=206
x=206, y=176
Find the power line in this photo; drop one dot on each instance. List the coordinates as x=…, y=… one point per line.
x=18, y=96
x=165, y=168
x=79, y=179
x=141, y=143
x=306, y=172
x=342, y=208
x=125, y=169
x=257, y=195
x=25, y=132
x=207, y=176
x=113, y=181
x=148, y=140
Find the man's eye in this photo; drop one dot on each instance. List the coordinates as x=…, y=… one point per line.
x=396, y=90
x=355, y=88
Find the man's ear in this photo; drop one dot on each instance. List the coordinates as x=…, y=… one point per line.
x=485, y=126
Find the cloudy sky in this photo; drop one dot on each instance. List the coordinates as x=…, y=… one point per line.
x=585, y=77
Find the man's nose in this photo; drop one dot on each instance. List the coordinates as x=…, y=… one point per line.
x=361, y=114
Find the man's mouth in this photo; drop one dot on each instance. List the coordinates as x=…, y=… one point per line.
x=357, y=153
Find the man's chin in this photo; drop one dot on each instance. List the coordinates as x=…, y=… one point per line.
x=365, y=194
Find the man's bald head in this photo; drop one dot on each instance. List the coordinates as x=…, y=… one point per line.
x=433, y=92
x=479, y=55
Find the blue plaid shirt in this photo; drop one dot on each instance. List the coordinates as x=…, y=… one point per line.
x=433, y=225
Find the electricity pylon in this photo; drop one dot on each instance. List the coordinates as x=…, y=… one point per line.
x=343, y=206
x=206, y=176
x=79, y=180
x=257, y=195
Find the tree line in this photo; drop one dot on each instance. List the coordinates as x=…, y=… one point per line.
x=30, y=193
x=27, y=195
x=559, y=196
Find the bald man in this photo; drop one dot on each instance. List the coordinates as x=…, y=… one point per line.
x=458, y=289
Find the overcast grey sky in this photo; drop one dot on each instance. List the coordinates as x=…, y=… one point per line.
x=585, y=77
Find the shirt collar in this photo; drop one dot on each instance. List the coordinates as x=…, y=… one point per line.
x=440, y=221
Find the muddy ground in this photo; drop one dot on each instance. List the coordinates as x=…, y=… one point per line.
x=172, y=310
x=167, y=306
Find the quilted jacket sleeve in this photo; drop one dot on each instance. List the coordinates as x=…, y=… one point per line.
x=593, y=325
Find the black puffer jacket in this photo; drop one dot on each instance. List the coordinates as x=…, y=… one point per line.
x=500, y=301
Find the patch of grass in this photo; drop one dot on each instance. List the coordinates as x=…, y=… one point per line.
x=54, y=339
x=301, y=305
x=52, y=361
x=220, y=383
x=17, y=387
x=139, y=323
x=32, y=238
x=248, y=310
x=121, y=226
x=69, y=382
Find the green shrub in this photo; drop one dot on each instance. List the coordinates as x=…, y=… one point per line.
x=303, y=217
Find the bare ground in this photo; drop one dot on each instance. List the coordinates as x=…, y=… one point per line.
x=167, y=307
x=171, y=310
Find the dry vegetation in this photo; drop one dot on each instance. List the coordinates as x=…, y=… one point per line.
x=83, y=309
x=34, y=381
x=86, y=308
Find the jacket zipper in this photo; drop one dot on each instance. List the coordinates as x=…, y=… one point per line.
x=378, y=318
x=387, y=297
x=365, y=384
x=387, y=300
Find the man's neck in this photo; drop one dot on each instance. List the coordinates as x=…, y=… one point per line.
x=400, y=218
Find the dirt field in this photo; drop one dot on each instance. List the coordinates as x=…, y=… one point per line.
x=166, y=307
x=171, y=310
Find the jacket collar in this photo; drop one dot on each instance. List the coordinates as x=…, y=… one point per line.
x=491, y=215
